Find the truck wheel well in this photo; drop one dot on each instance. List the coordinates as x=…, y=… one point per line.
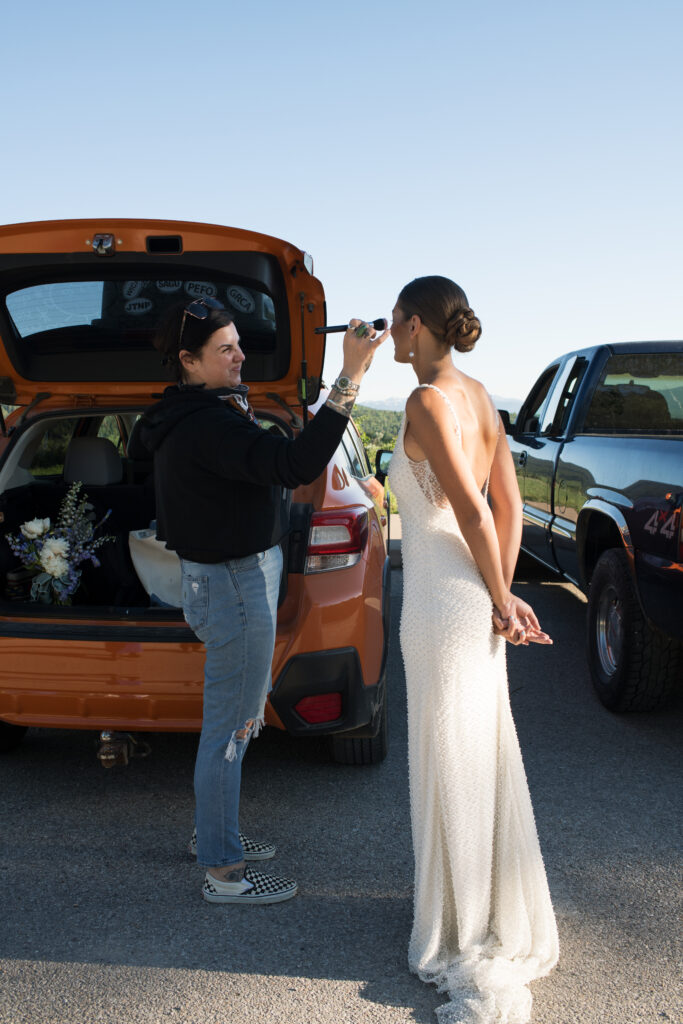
x=597, y=533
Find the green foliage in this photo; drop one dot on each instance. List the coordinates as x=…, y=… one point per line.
x=378, y=429
x=379, y=425
x=49, y=459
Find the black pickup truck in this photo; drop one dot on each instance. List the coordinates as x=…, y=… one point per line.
x=598, y=449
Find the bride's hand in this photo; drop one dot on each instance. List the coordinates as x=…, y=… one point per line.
x=519, y=624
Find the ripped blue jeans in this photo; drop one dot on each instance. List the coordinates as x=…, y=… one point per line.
x=232, y=608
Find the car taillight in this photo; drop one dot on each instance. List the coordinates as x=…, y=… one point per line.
x=336, y=539
x=324, y=707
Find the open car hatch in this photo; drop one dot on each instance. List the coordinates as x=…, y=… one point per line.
x=80, y=302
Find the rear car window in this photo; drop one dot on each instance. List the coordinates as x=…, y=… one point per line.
x=67, y=324
x=639, y=393
x=355, y=454
x=132, y=305
x=48, y=459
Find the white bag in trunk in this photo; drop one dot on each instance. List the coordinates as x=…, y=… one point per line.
x=158, y=568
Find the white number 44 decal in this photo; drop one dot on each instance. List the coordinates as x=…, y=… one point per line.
x=667, y=528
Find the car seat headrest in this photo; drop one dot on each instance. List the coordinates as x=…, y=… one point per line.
x=92, y=460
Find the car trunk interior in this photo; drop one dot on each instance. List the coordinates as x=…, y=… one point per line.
x=44, y=459
x=114, y=583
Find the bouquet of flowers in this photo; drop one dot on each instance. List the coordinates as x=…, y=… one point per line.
x=58, y=551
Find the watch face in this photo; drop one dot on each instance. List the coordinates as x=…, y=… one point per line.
x=343, y=381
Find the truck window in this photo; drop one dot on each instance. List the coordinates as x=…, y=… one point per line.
x=638, y=393
x=556, y=414
x=530, y=413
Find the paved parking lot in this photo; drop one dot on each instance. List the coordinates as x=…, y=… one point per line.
x=102, y=920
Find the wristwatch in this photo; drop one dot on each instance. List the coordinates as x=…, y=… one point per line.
x=346, y=385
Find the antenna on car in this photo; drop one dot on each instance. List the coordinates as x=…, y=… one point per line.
x=303, y=381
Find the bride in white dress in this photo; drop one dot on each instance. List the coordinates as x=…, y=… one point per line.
x=483, y=923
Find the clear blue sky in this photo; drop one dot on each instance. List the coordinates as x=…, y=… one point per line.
x=533, y=151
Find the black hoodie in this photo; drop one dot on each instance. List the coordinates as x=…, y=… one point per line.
x=219, y=477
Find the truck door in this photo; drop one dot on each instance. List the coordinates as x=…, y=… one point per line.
x=526, y=449
x=569, y=483
x=527, y=424
x=539, y=441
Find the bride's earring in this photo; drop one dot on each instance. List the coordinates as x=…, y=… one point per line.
x=411, y=355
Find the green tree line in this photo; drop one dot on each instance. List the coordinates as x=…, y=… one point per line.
x=378, y=428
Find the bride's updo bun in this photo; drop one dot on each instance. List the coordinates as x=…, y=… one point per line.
x=462, y=330
x=442, y=307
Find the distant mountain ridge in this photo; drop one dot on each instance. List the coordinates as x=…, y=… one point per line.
x=398, y=404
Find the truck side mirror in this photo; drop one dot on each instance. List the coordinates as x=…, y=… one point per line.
x=505, y=417
x=382, y=460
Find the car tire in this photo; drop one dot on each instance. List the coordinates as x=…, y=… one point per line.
x=11, y=736
x=633, y=666
x=370, y=750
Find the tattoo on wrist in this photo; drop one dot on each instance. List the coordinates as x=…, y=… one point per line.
x=340, y=402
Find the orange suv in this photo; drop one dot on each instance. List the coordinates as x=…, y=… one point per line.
x=79, y=304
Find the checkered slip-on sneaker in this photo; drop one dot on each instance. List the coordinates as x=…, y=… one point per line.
x=252, y=849
x=253, y=888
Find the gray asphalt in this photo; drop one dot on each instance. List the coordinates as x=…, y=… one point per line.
x=102, y=920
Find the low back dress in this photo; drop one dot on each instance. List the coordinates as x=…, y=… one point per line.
x=483, y=924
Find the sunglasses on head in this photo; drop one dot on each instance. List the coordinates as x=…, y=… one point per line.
x=199, y=309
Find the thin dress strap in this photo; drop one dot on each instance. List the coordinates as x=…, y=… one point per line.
x=485, y=488
x=422, y=471
x=446, y=400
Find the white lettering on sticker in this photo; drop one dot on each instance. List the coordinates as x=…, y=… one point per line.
x=139, y=306
x=241, y=299
x=132, y=289
x=198, y=289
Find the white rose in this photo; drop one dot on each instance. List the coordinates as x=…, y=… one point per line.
x=56, y=546
x=54, y=564
x=35, y=528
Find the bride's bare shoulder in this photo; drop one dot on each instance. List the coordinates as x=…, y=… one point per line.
x=481, y=400
x=424, y=400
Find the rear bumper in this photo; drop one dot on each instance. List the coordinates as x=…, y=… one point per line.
x=309, y=675
x=145, y=677
x=660, y=586
x=335, y=671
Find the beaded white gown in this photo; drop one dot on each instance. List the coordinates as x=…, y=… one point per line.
x=483, y=924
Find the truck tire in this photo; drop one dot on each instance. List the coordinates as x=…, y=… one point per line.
x=370, y=750
x=10, y=736
x=633, y=666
